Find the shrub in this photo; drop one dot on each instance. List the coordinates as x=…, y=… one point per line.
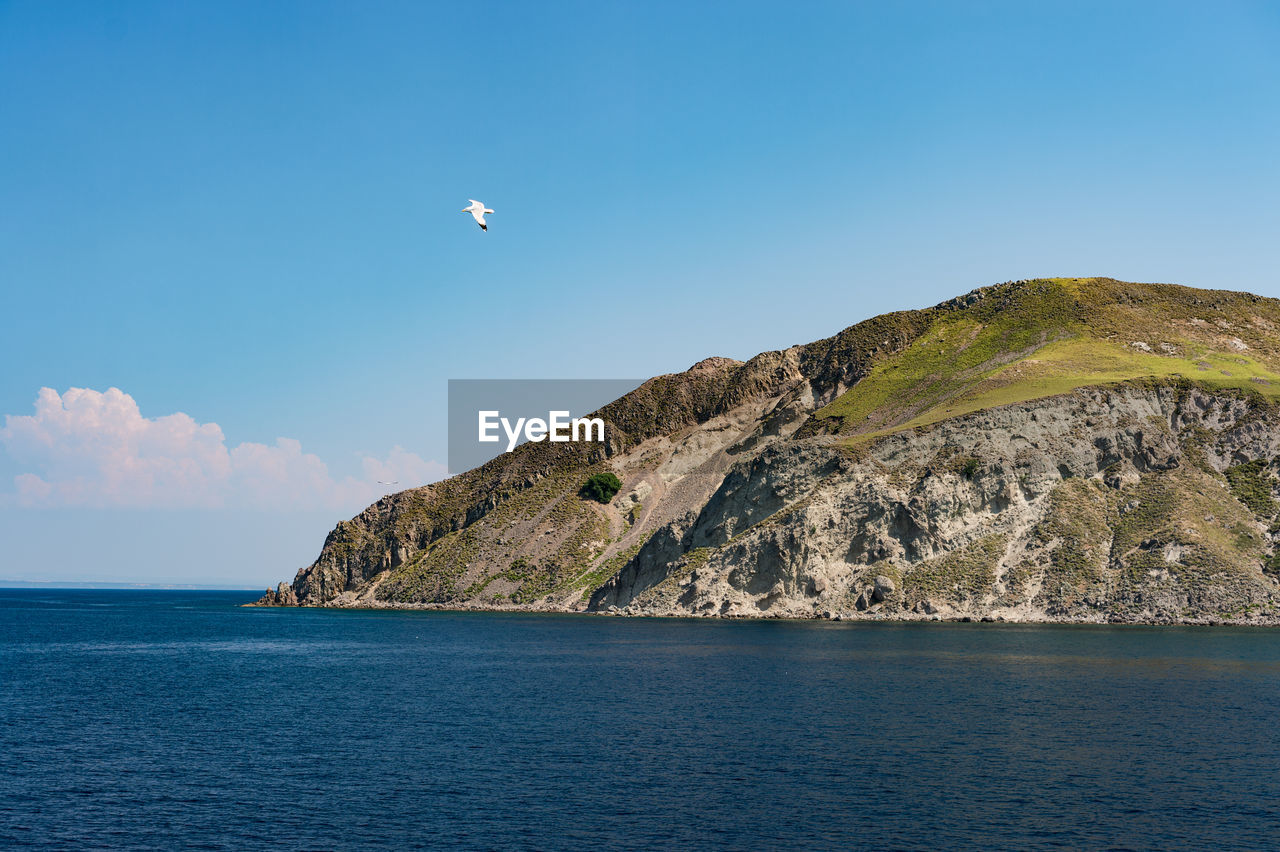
x=601, y=487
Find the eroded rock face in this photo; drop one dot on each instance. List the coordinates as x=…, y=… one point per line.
x=967, y=519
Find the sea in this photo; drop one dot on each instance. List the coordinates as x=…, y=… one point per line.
x=181, y=720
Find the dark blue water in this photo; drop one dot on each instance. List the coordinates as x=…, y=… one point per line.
x=174, y=719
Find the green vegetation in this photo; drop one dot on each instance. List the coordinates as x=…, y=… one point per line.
x=437, y=572
x=589, y=581
x=964, y=575
x=1052, y=336
x=1075, y=535
x=1182, y=522
x=1151, y=542
x=601, y=487
x=1251, y=485
x=558, y=571
x=696, y=558
x=434, y=574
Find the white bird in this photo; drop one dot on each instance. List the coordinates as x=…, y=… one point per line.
x=477, y=210
x=392, y=482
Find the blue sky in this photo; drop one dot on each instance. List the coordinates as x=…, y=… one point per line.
x=250, y=213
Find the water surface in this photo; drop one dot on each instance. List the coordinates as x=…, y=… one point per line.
x=143, y=719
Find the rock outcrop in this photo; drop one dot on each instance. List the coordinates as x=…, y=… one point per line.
x=281, y=595
x=1094, y=505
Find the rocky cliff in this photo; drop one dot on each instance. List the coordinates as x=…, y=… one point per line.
x=1064, y=449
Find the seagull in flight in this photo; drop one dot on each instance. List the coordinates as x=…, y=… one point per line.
x=392, y=482
x=477, y=210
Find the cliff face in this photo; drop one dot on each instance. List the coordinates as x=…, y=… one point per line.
x=1050, y=450
x=1096, y=505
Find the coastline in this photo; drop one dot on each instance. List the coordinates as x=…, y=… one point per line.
x=904, y=617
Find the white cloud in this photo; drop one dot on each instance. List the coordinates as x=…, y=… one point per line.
x=404, y=467
x=95, y=449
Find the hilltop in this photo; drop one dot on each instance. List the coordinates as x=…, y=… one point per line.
x=1053, y=449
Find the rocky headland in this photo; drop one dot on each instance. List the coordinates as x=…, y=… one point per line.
x=1077, y=450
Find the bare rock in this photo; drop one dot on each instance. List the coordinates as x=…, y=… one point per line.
x=883, y=588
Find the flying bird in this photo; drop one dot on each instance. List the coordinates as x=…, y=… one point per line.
x=392, y=482
x=477, y=210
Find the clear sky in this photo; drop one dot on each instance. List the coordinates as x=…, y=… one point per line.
x=248, y=214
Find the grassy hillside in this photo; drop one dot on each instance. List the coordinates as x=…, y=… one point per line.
x=1018, y=342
